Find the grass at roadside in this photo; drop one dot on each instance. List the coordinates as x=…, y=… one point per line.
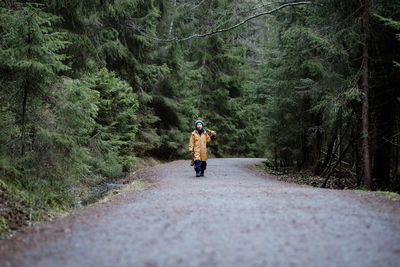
x=46, y=200
x=385, y=194
x=136, y=185
x=390, y=195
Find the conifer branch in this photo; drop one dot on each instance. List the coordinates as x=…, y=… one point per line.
x=198, y=35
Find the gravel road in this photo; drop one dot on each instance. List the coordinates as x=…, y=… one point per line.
x=233, y=216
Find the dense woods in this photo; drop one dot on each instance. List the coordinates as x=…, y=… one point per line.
x=88, y=87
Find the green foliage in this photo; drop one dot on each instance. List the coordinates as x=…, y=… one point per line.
x=29, y=44
x=116, y=118
x=85, y=92
x=303, y=86
x=72, y=131
x=30, y=55
x=222, y=73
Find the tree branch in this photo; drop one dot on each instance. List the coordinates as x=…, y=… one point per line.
x=136, y=27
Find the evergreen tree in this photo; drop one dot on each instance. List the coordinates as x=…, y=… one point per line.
x=30, y=49
x=116, y=119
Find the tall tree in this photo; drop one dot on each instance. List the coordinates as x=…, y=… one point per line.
x=30, y=49
x=365, y=101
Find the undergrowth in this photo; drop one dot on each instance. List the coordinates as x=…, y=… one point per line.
x=25, y=201
x=307, y=178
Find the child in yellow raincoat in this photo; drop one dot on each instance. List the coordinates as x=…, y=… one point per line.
x=198, y=147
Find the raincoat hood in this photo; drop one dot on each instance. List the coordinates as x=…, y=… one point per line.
x=198, y=121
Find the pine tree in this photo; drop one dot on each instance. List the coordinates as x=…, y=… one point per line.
x=30, y=54
x=116, y=119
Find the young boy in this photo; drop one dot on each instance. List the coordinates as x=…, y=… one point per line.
x=198, y=147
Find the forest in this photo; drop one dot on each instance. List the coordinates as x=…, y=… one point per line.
x=87, y=88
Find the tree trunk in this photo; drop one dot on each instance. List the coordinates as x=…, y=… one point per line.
x=25, y=97
x=328, y=156
x=396, y=169
x=365, y=104
x=191, y=22
x=23, y=120
x=396, y=161
x=339, y=143
x=199, y=96
x=356, y=153
x=341, y=157
x=331, y=145
x=171, y=26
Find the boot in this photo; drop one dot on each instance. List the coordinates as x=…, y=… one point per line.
x=202, y=173
x=198, y=174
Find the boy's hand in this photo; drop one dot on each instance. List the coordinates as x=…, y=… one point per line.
x=214, y=133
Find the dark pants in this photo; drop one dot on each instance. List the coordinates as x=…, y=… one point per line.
x=200, y=166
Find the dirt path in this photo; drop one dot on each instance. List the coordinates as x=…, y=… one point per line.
x=231, y=217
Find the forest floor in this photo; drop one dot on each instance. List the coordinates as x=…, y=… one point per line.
x=306, y=177
x=234, y=216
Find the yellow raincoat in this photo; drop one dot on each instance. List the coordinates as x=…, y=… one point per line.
x=199, y=145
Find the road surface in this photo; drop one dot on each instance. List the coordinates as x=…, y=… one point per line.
x=233, y=216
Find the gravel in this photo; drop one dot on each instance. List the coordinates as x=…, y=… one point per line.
x=234, y=216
